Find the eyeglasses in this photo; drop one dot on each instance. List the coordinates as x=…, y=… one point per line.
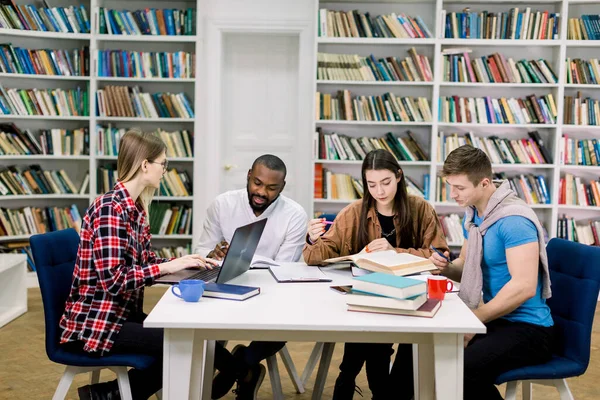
x=165, y=164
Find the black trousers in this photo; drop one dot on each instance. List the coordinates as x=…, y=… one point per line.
x=377, y=358
x=506, y=345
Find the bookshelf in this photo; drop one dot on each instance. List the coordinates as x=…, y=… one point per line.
x=78, y=166
x=554, y=51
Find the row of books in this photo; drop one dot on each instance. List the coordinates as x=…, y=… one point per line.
x=579, y=151
x=19, y=247
x=47, y=102
x=585, y=72
x=352, y=67
x=588, y=233
x=513, y=25
x=144, y=64
x=495, y=68
x=586, y=27
x=20, y=60
x=150, y=21
x=356, y=24
x=48, y=19
x=14, y=180
x=580, y=111
x=332, y=186
x=179, y=143
x=124, y=101
x=13, y=141
x=485, y=110
x=174, y=251
x=331, y=146
x=167, y=219
x=452, y=226
x=174, y=183
x=500, y=150
x=574, y=192
x=387, y=107
x=36, y=220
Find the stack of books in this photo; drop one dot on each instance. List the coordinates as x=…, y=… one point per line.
x=389, y=294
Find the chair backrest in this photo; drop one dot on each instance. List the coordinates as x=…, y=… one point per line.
x=575, y=275
x=54, y=256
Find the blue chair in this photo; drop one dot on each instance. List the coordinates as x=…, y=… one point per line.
x=54, y=256
x=575, y=276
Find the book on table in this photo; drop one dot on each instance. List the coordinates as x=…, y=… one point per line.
x=358, y=298
x=230, y=292
x=389, y=261
x=428, y=309
x=398, y=287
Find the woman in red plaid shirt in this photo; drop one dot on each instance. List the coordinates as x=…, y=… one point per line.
x=104, y=311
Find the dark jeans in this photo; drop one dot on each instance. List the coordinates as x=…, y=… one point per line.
x=506, y=346
x=377, y=357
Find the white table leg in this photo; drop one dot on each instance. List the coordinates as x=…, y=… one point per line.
x=448, y=350
x=203, y=359
x=177, y=363
x=424, y=382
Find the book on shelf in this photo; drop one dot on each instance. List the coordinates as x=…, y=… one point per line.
x=495, y=68
x=179, y=143
x=388, y=107
x=515, y=24
x=124, y=101
x=499, y=150
x=585, y=233
x=168, y=219
x=14, y=141
x=353, y=67
x=529, y=187
x=486, y=110
x=581, y=111
x=334, y=186
x=583, y=72
x=36, y=220
x=355, y=24
x=19, y=60
x=173, y=183
x=19, y=247
x=230, y=292
x=579, y=151
x=427, y=310
x=169, y=22
x=452, y=226
x=333, y=146
x=14, y=180
x=586, y=27
x=46, y=102
x=573, y=191
x=388, y=261
x=146, y=64
x=72, y=19
x=174, y=251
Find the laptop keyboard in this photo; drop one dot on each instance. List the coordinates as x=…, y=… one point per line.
x=206, y=275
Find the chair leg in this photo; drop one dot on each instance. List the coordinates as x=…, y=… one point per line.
x=527, y=390
x=123, y=380
x=511, y=390
x=312, y=362
x=291, y=369
x=274, y=376
x=323, y=370
x=94, y=377
x=563, y=389
x=65, y=383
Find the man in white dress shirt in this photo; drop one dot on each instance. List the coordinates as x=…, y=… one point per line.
x=282, y=240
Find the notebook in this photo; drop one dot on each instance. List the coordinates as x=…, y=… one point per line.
x=297, y=272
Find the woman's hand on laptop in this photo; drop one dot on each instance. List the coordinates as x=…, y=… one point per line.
x=189, y=261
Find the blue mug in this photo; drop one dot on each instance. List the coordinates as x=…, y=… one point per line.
x=191, y=289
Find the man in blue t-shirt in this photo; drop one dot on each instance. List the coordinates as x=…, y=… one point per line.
x=506, y=261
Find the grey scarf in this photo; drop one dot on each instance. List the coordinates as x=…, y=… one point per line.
x=503, y=203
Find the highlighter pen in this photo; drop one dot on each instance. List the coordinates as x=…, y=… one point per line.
x=328, y=222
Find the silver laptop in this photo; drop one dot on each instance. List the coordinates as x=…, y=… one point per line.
x=237, y=260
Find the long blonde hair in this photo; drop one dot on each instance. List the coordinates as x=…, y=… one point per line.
x=135, y=147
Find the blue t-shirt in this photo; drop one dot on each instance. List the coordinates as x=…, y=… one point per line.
x=506, y=233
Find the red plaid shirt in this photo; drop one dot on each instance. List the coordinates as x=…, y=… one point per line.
x=114, y=263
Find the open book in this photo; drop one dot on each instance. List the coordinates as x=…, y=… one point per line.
x=388, y=261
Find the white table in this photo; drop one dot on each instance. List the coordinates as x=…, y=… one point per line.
x=304, y=312
x=13, y=287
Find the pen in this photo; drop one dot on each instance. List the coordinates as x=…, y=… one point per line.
x=328, y=222
x=441, y=254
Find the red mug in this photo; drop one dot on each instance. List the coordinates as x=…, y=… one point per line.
x=438, y=286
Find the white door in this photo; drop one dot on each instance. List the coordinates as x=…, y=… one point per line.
x=259, y=104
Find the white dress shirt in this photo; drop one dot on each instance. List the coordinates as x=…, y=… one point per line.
x=284, y=234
